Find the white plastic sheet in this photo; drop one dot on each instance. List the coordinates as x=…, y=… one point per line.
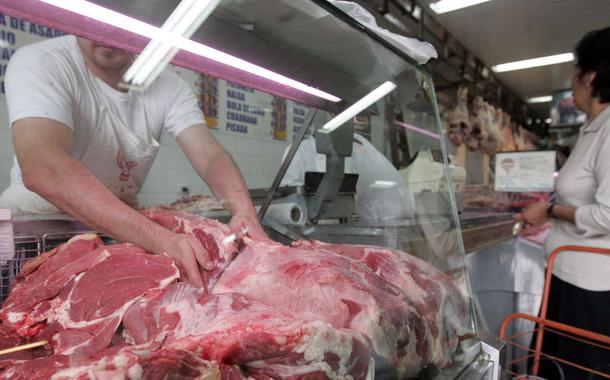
x=420, y=51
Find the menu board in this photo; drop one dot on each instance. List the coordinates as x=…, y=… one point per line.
x=525, y=171
x=235, y=109
x=15, y=33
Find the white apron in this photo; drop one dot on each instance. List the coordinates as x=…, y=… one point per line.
x=116, y=155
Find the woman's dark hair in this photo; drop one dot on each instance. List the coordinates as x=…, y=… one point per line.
x=593, y=54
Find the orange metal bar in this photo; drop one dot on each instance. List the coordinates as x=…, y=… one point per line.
x=547, y=288
x=545, y=296
x=556, y=326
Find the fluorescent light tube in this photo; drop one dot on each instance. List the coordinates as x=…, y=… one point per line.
x=384, y=184
x=107, y=16
x=540, y=99
x=183, y=22
x=445, y=6
x=358, y=107
x=534, y=62
x=418, y=130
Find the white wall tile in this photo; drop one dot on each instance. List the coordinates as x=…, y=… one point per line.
x=256, y=148
x=226, y=141
x=175, y=158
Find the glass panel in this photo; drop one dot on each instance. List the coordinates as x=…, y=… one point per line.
x=383, y=178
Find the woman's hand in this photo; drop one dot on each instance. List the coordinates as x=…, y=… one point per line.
x=535, y=214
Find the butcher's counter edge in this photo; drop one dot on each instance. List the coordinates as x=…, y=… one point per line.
x=480, y=229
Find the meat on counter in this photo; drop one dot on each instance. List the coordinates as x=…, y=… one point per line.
x=307, y=311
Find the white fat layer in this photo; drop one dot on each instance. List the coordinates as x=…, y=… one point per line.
x=120, y=360
x=14, y=317
x=190, y=316
x=326, y=340
x=135, y=372
x=210, y=374
x=118, y=369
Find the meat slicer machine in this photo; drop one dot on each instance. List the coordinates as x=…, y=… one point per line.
x=325, y=198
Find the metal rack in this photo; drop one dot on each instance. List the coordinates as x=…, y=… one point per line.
x=26, y=247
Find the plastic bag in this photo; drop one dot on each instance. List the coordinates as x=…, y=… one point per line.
x=381, y=193
x=420, y=51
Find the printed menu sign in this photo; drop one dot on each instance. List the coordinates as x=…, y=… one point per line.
x=15, y=33
x=525, y=171
x=240, y=110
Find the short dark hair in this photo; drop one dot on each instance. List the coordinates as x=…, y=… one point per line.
x=593, y=55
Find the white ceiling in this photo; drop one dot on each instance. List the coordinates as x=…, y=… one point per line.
x=502, y=31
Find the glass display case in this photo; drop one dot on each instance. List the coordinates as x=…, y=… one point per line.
x=282, y=72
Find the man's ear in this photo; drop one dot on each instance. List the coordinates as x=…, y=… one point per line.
x=588, y=79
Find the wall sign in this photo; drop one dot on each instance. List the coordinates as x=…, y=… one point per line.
x=15, y=33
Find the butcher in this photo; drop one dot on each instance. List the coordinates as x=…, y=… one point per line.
x=83, y=146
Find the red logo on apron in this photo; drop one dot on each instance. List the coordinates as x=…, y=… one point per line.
x=125, y=166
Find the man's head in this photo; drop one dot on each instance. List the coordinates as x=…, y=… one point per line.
x=105, y=57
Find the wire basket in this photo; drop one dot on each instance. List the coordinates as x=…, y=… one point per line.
x=26, y=247
x=541, y=326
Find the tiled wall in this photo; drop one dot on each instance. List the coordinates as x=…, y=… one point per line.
x=258, y=161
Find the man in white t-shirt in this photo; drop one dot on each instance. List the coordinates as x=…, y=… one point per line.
x=84, y=145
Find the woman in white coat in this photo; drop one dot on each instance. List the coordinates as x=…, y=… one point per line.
x=580, y=287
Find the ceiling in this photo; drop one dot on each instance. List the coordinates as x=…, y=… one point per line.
x=501, y=31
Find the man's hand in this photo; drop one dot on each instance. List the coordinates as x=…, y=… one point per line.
x=535, y=214
x=188, y=254
x=247, y=225
x=216, y=167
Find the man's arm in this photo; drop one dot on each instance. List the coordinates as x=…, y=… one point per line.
x=43, y=149
x=216, y=167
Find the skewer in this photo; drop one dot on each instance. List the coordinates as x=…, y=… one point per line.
x=23, y=347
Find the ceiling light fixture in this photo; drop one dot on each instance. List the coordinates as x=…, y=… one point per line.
x=358, y=107
x=534, y=62
x=183, y=22
x=445, y=6
x=107, y=16
x=540, y=99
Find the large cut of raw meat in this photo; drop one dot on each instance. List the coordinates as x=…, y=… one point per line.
x=302, y=312
x=232, y=328
x=432, y=293
x=350, y=287
x=76, y=297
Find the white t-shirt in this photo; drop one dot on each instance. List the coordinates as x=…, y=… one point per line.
x=48, y=79
x=584, y=182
